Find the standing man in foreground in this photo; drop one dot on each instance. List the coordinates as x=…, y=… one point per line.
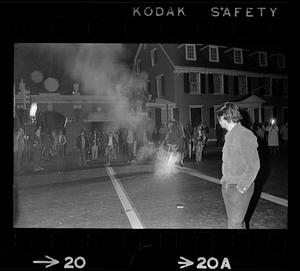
x=240, y=165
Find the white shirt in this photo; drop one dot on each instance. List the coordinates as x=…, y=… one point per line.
x=130, y=137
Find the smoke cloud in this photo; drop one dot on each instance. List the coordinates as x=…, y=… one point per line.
x=101, y=70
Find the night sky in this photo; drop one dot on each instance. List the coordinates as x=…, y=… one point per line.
x=27, y=59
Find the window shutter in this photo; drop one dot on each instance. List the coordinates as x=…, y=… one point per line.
x=156, y=88
x=210, y=83
x=236, y=85
x=186, y=83
x=280, y=88
x=275, y=87
x=211, y=117
x=163, y=90
x=203, y=82
x=226, y=84
x=249, y=85
x=155, y=57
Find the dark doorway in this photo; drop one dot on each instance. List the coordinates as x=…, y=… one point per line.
x=256, y=115
x=196, y=116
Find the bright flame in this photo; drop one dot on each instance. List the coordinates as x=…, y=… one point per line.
x=166, y=162
x=33, y=109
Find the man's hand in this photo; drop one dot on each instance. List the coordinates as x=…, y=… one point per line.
x=241, y=188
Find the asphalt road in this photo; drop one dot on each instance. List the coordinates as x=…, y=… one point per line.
x=129, y=196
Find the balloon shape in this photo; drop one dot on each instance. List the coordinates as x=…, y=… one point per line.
x=37, y=76
x=51, y=84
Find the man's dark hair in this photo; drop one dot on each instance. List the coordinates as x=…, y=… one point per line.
x=230, y=112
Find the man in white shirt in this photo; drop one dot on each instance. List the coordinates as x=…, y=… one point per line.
x=95, y=143
x=62, y=140
x=111, y=144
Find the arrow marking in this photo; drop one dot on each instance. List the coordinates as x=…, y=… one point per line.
x=185, y=262
x=50, y=263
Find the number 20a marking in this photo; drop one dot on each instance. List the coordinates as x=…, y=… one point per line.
x=69, y=262
x=212, y=263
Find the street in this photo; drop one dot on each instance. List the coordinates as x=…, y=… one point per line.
x=131, y=195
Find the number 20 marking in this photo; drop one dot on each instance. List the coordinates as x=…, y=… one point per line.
x=69, y=262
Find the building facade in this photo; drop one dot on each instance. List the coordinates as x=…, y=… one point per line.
x=188, y=82
x=72, y=112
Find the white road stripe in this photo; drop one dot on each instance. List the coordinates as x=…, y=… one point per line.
x=265, y=196
x=129, y=210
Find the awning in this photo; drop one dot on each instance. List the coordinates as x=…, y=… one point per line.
x=251, y=101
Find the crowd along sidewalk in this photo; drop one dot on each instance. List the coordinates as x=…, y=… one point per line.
x=273, y=176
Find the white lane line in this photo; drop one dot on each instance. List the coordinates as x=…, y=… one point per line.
x=265, y=196
x=129, y=210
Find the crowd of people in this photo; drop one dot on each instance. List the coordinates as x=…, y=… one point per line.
x=94, y=144
x=38, y=147
x=190, y=142
x=272, y=137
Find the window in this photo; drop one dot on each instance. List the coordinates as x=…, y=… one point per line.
x=190, y=52
x=242, y=84
x=238, y=56
x=280, y=61
x=138, y=67
x=213, y=54
x=217, y=78
x=154, y=57
x=194, y=82
x=239, y=85
x=145, y=46
x=215, y=83
x=264, y=86
x=278, y=87
x=160, y=86
x=262, y=59
x=191, y=82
